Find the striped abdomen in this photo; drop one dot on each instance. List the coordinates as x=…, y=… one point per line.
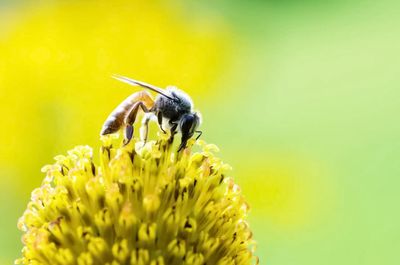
x=116, y=119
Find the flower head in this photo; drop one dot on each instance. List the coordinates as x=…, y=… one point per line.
x=142, y=205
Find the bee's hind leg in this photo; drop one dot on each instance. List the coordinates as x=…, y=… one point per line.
x=128, y=134
x=130, y=120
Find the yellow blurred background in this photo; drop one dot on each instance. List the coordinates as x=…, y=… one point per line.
x=302, y=97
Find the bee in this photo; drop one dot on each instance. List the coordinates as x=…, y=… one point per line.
x=172, y=108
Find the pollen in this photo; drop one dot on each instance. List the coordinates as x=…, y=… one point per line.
x=144, y=204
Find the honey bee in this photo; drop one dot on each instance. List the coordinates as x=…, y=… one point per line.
x=172, y=108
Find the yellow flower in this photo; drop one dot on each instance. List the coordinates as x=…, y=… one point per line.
x=142, y=205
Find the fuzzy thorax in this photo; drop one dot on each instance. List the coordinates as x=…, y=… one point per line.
x=141, y=205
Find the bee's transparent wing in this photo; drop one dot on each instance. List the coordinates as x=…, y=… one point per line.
x=142, y=84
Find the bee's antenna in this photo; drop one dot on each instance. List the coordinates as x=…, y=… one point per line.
x=142, y=84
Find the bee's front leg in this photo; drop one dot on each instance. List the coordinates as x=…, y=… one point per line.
x=198, y=136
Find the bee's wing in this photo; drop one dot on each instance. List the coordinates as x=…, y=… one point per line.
x=142, y=84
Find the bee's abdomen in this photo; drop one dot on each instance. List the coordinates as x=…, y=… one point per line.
x=111, y=125
x=116, y=119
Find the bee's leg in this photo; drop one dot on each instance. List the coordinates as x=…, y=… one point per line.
x=159, y=119
x=130, y=120
x=145, y=128
x=174, y=126
x=188, y=124
x=198, y=136
x=183, y=143
x=128, y=134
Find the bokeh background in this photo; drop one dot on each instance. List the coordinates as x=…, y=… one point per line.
x=302, y=97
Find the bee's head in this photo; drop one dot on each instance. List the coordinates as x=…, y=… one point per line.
x=188, y=125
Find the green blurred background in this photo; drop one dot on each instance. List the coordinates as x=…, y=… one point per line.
x=302, y=97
